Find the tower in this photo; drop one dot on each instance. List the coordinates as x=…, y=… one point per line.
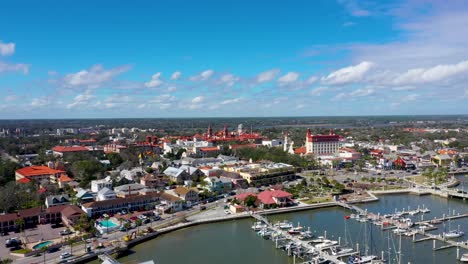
x=209, y=132
x=225, y=132
x=286, y=141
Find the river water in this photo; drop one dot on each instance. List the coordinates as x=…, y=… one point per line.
x=234, y=242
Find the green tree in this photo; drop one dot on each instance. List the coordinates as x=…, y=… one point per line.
x=250, y=201
x=86, y=170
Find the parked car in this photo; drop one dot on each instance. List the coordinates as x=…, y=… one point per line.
x=65, y=255
x=65, y=232
x=53, y=249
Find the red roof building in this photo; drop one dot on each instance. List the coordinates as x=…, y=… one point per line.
x=271, y=198
x=61, y=150
x=37, y=173
x=322, y=144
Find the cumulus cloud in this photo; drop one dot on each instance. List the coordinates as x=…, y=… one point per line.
x=318, y=91
x=354, y=8
x=433, y=74
x=231, y=101
x=39, y=102
x=198, y=99
x=19, y=67
x=311, y=80
x=81, y=100
x=176, y=75
x=202, y=76
x=362, y=92
x=267, y=76
x=288, y=78
x=7, y=49
x=163, y=98
x=228, y=79
x=93, y=77
x=338, y=97
x=348, y=74
x=10, y=98
x=155, y=81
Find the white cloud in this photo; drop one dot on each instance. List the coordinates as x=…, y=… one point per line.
x=348, y=74
x=202, y=76
x=93, y=77
x=231, y=101
x=354, y=8
x=318, y=91
x=163, y=98
x=176, y=75
x=171, y=89
x=288, y=78
x=362, y=92
x=198, y=99
x=339, y=97
x=267, y=76
x=229, y=79
x=39, y=102
x=81, y=100
x=348, y=24
x=433, y=74
x=20, y=67
x=155, y=81
x=7, y=49
x=311, y=80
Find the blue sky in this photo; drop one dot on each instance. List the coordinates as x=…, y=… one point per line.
x=67, y=59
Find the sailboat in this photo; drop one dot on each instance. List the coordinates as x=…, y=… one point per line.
x=453, y=233
x=464, y=258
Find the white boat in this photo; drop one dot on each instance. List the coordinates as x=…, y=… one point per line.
x=326, y=244
x=284, y=225
x=295, y=230
x=425, y=210
x=414, y=212
x=259, y=226
x=319, y=239
x=464, y=258
x=399, y=230
x=361, y=259
x=306, y=235
x=453, y=234
x=336, y=251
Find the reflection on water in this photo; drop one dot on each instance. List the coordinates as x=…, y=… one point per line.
x=234, y=242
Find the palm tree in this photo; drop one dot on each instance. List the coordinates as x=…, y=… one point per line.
x=20, y=222
x=138, y=223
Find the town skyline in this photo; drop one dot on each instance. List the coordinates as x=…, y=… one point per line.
x=209, y=59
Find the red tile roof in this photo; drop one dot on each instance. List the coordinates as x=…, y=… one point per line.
x=23, y=180
x=301, y=150
x=63, y=149
x=207, y=149
x=266, y=197
x=37, y=171
x=64, y=178
x=242, y=196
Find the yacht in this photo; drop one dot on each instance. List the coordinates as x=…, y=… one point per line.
x=295, y=230
x=326, y=244
x=425, y=210
x=361, y=259
x=259, y=226
x=464, y=258
x=399, y=230
x=306, y=235
x=336, y=251
x=453, y=234
x=285, y=225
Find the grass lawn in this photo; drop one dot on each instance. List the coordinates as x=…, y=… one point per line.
x=418, y=179
x=318, y=200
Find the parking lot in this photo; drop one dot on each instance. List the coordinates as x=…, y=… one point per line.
x=32, y=236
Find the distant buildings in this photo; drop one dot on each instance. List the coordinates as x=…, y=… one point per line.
x=258, y=174
x=37, y=173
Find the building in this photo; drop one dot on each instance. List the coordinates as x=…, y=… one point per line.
x=98, y=185
x=192, y=172
x=38, y=173
x=61, y=151
x=263, y=174
x=84, y=196
x=176, y=175
x=318, y=145
x=64, y=180
x=133, y=203
x=443, y=160
x=274, y=198
x=105, y=194
x=128, y=190
x=219, y=185
x=55, y=200
x=154, y=181
x=189, y=195
x=71, y=215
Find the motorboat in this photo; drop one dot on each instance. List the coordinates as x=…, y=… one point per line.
x=453, y=234
x=361, y=259
x=319, y=239
x=414, y=212
x=399, y=230
x=336, y=251
x=425, y=210
x=295, y=230
x=464, y=257
x=326, y=244
x=284, y=225
x=306, y=235
x=259, y=226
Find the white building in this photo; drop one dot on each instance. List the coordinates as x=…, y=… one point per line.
x=98, y=185
x=272, y=143
x=105, y=194
x=319, y=145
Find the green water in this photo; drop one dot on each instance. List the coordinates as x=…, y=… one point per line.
x=234, y=242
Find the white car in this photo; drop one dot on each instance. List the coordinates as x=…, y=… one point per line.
x=65, y=255
x=227, y=212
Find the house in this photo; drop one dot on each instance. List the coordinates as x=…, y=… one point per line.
x=192, y=172
x=154, y=181
x=37, y=173
x=128, y=190
x=133, y=203
x=170, y=203
x=105, y=194
x=219, y=185
x=442, y=160
x=64, y=180
x=61, y=151
x=176, y=175
x=55, y=200
x=84, y=196
x=71, y=215
x=274, y=198
x=189, y=195
x=97, y=185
